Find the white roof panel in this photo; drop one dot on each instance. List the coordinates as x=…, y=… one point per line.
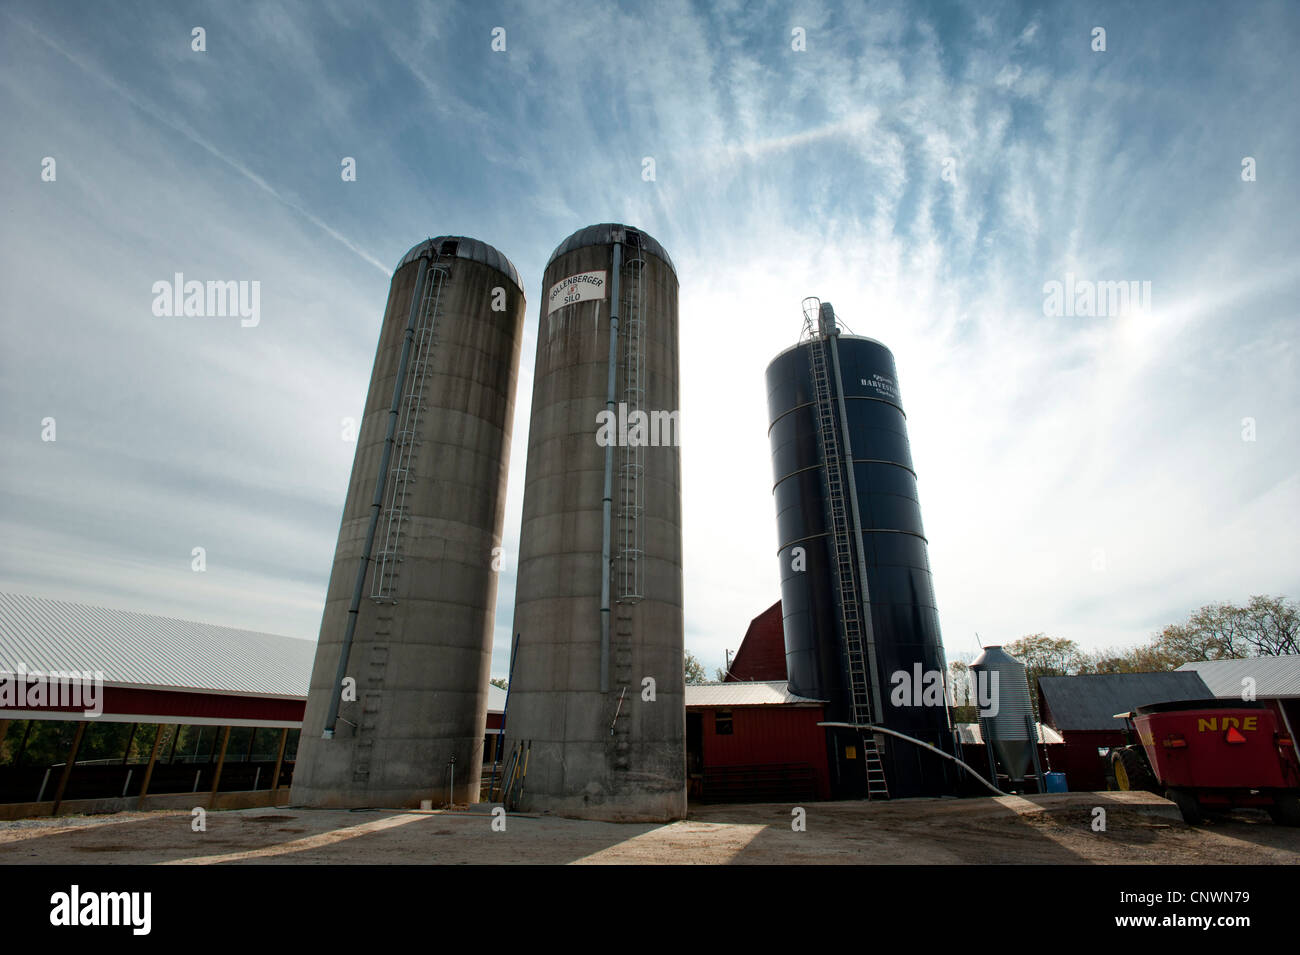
x=137, y=649
x=742, y=694
x=1273, y=676
x=971, y=736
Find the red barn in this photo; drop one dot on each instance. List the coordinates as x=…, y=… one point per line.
x=754, y=742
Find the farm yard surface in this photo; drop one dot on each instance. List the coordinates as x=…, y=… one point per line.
x=1056, y=829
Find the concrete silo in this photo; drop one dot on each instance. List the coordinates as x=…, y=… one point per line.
x=597, y=698
x=398, y=697
x=859, y=613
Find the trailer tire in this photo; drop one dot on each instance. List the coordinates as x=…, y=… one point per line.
x=1286, y=810
x=1132, y=774
x=1187, y=805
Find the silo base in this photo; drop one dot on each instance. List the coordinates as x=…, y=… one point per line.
x=649, y=807
x=325, y=776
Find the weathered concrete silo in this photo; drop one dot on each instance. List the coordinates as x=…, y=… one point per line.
x=598, y=609
x=409, y=611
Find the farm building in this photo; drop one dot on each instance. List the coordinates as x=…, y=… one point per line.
x=183, y=708
x=754, y=741
x=1265, y=678
x=1082, y=710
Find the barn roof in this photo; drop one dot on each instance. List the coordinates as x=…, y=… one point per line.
x=972, y=735
x=1090, y=701
x=760, y=693
x=762, y=651
x=1274, y=676
x=144, y=650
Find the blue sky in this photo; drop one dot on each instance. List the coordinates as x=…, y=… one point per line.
x=1083, y=476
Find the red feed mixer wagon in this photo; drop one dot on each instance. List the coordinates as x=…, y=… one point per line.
x=1212, y=755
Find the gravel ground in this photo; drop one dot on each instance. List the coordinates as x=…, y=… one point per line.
x=1140, y=828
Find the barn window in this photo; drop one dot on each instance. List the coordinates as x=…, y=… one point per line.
x=722, y=722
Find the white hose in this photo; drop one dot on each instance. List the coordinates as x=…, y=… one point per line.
x=922, y=743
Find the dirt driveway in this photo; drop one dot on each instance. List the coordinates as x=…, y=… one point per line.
x=1140, y=828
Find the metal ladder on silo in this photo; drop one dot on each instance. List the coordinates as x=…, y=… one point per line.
x=631, y=544
x=850, y=606
x=407, y=439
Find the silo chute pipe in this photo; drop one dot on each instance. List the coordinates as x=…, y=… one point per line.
x=869, y=727
x=377, y=504
x=607, y=501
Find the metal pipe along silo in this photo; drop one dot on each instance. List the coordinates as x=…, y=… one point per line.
x=861, y=624
x=597, y=698
x=398, y=700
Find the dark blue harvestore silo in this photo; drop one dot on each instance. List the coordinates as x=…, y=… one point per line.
x=859, y=611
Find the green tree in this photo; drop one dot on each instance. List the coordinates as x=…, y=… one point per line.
x=500, y=683
x=965, y=709
x=1271, y=625
x=1046, y=656
x=694, y=669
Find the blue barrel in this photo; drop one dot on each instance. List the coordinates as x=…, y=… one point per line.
x=1056, y=783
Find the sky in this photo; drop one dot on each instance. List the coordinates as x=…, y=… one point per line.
x=929, y=168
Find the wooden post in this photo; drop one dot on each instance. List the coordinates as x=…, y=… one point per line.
x=67, y=767
x=221, y=762
x=148, y=772
x=279, y=761
x=252, y=738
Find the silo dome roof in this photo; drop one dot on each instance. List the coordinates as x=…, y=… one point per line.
x=607, y=233
x=464, y=248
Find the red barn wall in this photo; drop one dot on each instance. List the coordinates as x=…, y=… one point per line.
x=770, y=735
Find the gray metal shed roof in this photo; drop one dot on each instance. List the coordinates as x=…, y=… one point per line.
x=739, y=693
x=606, y=233
x=1090, y=701
x=1273, y=676
x=143, y=650
x=466, y=248
x=972, y=735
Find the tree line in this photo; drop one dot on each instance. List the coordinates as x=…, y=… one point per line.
x=1264, y=626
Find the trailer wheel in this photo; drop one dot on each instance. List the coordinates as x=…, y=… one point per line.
x=1286, y=810
x=1132, y=774
x=1187, y=805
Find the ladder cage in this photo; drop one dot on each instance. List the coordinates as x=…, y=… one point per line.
x=629, y=570
x=407, y=437
x=846, y=585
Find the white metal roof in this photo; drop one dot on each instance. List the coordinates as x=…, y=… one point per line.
x=971, y=736
x=143, y=650
x=1273, y=676
x=496, y=699
x=742, y=694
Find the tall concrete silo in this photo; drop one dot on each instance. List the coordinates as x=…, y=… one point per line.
x=598, y=606
x=398, y=697
x=859, y=613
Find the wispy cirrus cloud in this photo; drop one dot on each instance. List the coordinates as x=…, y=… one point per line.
x=1039, y=441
